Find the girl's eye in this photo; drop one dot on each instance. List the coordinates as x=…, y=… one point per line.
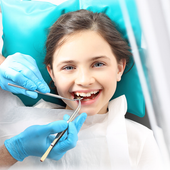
x=68, y=68
x=98, y=64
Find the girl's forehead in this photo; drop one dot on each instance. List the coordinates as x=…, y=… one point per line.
x=84, y=43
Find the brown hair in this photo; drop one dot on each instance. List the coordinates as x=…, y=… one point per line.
x=82, y=20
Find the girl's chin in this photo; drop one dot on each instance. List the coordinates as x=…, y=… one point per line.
x=88, y=111
x=90, y=114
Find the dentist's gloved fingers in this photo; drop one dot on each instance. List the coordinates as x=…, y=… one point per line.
x=28, y=59
x=31, y=76
x=58, y=126
x=16, y=90
x=35, y=140
x=31, y=94
x=18, y=78
x=54, y=127
x=52, y=137
x=36, y=71
x=71, y=140
x=25, y=65
x=64, y=136
x=79, y=120
x=66, y=117
x=32, y=72
x=33, y=62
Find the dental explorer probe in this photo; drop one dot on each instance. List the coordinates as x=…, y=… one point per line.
x=47, y=94
x=59, y=135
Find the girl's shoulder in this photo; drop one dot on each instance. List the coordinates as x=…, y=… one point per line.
x=138, y=134
x=137, y=128
x=142, y=144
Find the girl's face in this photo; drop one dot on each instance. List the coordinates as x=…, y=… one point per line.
x=84, y=66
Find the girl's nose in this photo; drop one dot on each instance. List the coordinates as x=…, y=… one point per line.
x=84, y=78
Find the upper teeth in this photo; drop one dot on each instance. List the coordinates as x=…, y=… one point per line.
x=86, y=94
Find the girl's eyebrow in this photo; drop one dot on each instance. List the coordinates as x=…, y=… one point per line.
x=91, y=59
x=66, y=62
x=100, y=57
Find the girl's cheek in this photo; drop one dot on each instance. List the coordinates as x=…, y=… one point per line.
x=63, y=77
x=62, y=84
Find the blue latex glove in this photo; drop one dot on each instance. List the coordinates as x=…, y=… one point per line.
x=35, y=140
x=21, y=69
x=76, y=121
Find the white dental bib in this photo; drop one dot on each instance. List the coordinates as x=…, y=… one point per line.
x=103, y=139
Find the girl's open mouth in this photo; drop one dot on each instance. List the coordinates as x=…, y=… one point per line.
x=87, y=96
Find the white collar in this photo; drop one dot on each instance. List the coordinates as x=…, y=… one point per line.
x=117, y=134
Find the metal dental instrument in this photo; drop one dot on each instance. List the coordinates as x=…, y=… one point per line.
x=47, y=94
x=59, y=135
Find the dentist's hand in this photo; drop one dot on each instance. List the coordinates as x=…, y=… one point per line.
x=35, y=140
x=21, y=69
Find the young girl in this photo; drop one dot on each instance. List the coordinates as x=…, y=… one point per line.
x=86, y=57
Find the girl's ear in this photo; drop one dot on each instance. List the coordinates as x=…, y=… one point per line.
x=50, y=71
x=121, y=68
